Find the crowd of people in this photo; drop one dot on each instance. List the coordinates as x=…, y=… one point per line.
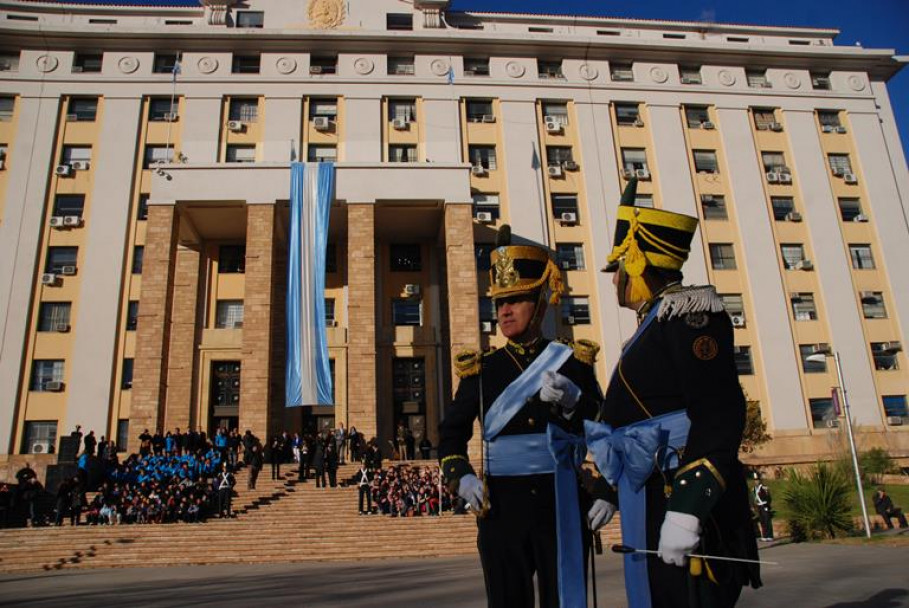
x=404, y=491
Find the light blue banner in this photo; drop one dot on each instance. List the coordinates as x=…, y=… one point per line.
x=308, y=372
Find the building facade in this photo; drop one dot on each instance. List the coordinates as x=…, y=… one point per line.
x=145, y=174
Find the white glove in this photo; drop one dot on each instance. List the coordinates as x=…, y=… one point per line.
x=560, y=390
x=679, y=536
x=471, y=490
x=600, y=514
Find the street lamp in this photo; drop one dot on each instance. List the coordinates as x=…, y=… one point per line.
x=820, y=357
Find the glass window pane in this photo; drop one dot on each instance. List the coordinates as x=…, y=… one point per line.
x=862, y=258
x=231, y=259
x=695, y=116
x=406, y=311
x=782, y=207
x=576, y=310
x=59, y=257
x=722, y=256
x=873, y=305
x=323, y=107
x=54, y=316
x=803, y=306
x=793, y=253
x=482, y=156
x=486, y=203
x=322, y=154
x=743, y=362
x=570, y=256
x=229, y=314
x=823, y=414
x=714, y=206
x=250, y=19
x=244, y=109
x=705, y=161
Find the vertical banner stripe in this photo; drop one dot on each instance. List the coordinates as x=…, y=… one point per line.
x=308, y=372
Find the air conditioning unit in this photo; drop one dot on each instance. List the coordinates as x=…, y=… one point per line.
x=170, y=117
x=411, y=289
x=478, y=170
x=400, y=124
x=773, y=177
x=708, y=125
x=57, y=221
x=793, y=216
x=775, y=126
x=841, y=129
x=315, y=69
x=850, y=178
x=488, y=118
x=568, y=218
x=627, y=173
x=72, y=118
x=570, y=165
x=638, y=122
x=80, y=165
x=828, y=128
x=321, y=123
x=41, y=447
x=49, y=278
x=73, y=221
x=895, y=420
x=235, y=125
x=738, y=320
x=68, y=270
x=805, y=265
x=554, y=170
x=831, y=424
x=484, y=217
x=642, y=174
x=570, y=320
x=54, y=386
x=61, y=327
x=785, y=178
x=553, y=126
x=838, y=172
x=63, y=170
x=486, y=327
x=861, y=217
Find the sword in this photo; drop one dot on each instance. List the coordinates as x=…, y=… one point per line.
x=629, y=549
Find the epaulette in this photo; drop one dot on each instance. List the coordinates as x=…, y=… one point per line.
x=586, y=351
x=688, y=300
x=467, y=363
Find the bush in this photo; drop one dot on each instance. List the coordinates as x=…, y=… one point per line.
x=818, y=502
x=875, y=463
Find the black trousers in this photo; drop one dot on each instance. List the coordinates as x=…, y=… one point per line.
x=365, y=492
x=253, y=476
x=224, y=501
x=764, y=514
x=275, y=467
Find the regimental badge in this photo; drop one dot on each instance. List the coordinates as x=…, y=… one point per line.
x=705, y=348
x=697, y=320
x=506, y=274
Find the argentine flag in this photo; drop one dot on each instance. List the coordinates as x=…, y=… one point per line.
x=307, y=373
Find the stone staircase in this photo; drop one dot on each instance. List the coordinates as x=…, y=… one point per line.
x=280, y=521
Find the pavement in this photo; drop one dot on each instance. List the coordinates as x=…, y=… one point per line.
x=808, y=576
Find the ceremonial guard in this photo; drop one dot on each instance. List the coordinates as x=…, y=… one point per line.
x=531, y=398
x=673, y=418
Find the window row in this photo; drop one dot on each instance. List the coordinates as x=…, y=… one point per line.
x=722, y=256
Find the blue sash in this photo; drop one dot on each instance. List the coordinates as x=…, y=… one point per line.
x=627, y=457
x=523, y=388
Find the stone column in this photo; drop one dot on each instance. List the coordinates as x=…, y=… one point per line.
x=463, y=298
x=153, y=330
x=181, y=384
x=361, y=314
x=257, y=410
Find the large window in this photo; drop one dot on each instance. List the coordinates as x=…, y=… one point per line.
x=142, y=207
x=793, y=255
x=232, y=259
x=402, y=109
x=54, y=316
x=547, y=68
x=634, y=159
x=812, y=365
x=773, y=161
x=576, y=310
x=229, y=314
x=757, y=79
x=482, y=156
x=126, y=378
x=46, y=375
x=820, y=81
x=556, y=156
x=240, y=153
x=405, y=153
x=851, y=209
x=873, y=305
x=323, y=64
x=627, y=113
x=839, y=163
x=486, y=203
x=405, y=258
x=250, y=19
x=555, y=111
x=895, y=406
x=245, y=64
x=330, y=320
x=690, y=74
x=87, y=62
x=161, y=109
x=244, y=109
x=40, y=437
x=157, y=154
x=138, y=259
x=705, y=161
x=782, y=206
x=570, y=256
x=803, y=306
x=479, y=110
x=59, y=258
x=82, y=109
x=322, y=153
x=132, y=315
x=401, y=66
x=476, y=66
x=406, y=311
x=765, y=119
x=69, y=204
x=399, y=21
x=621, y=72
x=696, y=116
x=164, y=63
x=829, y=119
x=564, y=203
x=722, y=256
x=327, y=108
x=714, y=207
x=885, y=355
x=744, y=364
x=823, y=414
x=7, y=105
x=862, y=259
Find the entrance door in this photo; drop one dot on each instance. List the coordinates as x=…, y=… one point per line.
x=224, y=399
x=409, y=394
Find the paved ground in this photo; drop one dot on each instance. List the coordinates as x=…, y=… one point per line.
x=809, y=576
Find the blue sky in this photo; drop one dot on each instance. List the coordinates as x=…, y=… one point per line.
x=881, y=24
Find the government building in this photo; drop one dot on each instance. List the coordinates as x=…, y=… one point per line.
x=145, y=152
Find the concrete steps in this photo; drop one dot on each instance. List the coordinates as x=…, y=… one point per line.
x=281, y=521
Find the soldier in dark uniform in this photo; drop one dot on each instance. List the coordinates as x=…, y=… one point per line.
x=676, y=374
x=527, y=396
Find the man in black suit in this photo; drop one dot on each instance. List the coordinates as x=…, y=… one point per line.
x=675, y=382
x=530, y=396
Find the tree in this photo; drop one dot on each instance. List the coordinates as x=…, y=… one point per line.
x=818, y=502
x=755, y=432
x=875, y=463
